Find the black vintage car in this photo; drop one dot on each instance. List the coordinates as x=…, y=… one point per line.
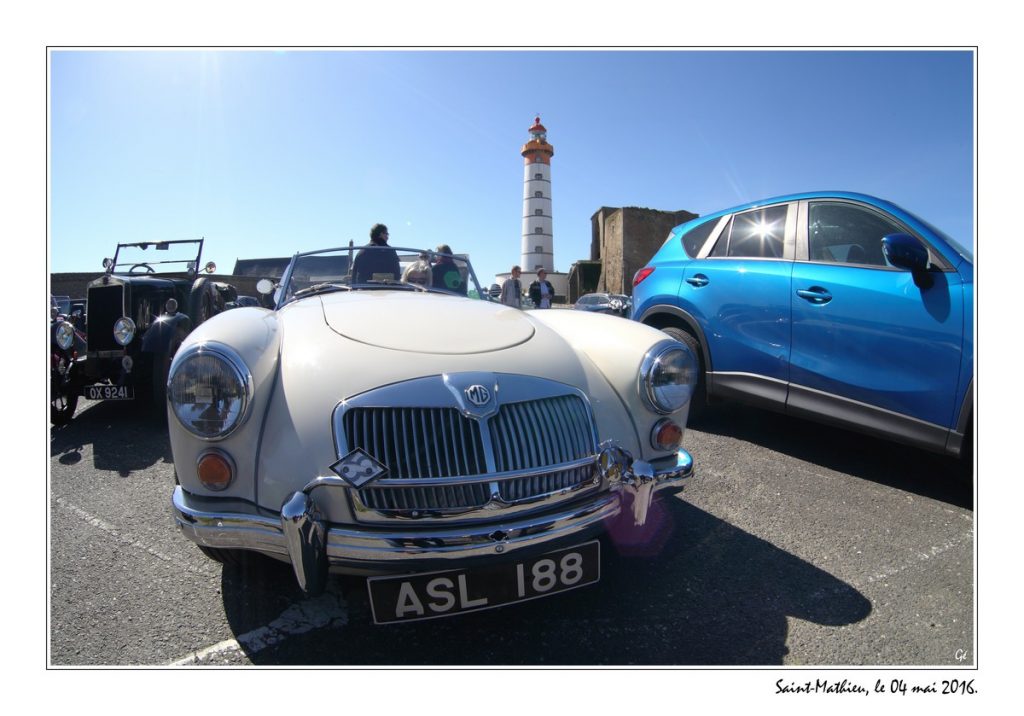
x=67, y=348
x=140, y=310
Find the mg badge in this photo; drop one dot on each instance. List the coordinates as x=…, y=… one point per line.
x=478, y=395
x=357, y=468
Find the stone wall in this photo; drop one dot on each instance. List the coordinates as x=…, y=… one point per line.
x=626, y=239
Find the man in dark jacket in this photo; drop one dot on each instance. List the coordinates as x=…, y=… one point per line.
x=541, y=290
x=376, y=263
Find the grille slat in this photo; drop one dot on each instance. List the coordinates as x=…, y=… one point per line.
x=441, y=443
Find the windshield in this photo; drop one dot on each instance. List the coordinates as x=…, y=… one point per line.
x=367, y=268
x=158, y=257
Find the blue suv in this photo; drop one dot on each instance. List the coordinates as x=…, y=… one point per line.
x=832, y=306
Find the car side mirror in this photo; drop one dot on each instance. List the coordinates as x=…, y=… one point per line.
x=265, y=286
x=907, y=252
x=210, y=267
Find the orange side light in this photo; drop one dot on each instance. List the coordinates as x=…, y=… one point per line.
x=215, y=471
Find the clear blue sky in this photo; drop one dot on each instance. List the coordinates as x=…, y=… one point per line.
x=266, y=152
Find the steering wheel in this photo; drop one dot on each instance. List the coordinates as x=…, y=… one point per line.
x=149, y=269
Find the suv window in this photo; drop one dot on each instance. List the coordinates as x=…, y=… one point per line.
x=846, y=233
x=694, y=239
x=754, y=234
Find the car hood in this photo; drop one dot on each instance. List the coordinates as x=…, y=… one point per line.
x=432, y=323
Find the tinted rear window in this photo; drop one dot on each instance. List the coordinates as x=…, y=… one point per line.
x=694, y=239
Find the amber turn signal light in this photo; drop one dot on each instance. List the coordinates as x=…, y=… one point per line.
x=666, y=435
x=215, y=471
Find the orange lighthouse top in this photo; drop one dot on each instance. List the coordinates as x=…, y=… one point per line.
x=537, y=149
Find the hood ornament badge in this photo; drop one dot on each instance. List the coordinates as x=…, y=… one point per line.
x=478, y=395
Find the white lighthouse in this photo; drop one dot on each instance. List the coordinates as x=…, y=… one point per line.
x=538, y=237
x=537, y=249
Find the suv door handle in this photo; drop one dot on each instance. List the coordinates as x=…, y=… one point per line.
x=698, y=280
x=815, y=294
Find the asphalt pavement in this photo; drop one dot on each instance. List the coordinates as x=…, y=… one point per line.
x=798, y=544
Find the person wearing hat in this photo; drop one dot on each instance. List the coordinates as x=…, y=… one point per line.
x=541, y=290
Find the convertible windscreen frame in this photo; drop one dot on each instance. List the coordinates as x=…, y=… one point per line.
x=313, y=273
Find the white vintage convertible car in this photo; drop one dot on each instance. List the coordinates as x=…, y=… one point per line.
x=383, y=420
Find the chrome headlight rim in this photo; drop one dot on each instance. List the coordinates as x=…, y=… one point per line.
x=124, y=331
x=65, y=335
x=651, y=362
x=241, y=372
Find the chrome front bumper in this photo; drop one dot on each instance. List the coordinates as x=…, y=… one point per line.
x=302, y=536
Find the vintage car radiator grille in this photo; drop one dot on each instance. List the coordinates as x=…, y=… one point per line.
x=440, y=444
x=538, y=434
x=106, y=305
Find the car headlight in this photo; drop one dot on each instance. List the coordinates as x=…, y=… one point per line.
x=668, y=376
x=65, y=335
x=209, y=390
x=124, y=330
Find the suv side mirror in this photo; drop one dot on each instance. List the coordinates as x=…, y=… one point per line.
x=907, y=252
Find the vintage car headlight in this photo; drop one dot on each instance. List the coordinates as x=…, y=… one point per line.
x=668, y=375
x=210, y=390
x=65, y=335
x=124, y=330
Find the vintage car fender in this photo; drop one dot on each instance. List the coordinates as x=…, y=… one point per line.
x=307, y=357
x=163, y=331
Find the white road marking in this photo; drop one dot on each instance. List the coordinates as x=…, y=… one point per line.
x=327, y=610
x=924, y=556
x=123, y=538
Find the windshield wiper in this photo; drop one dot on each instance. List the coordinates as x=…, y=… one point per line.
x=321, y=288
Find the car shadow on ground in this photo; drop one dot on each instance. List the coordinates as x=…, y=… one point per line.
x=889, y=463
x=123, y=437
x=691, y=590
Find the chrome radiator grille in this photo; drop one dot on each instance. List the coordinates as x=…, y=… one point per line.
x=437, y=445
x=540, y=433
x=420, y=443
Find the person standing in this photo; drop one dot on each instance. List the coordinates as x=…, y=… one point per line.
x=512, y=289
x=377, y=260
x=541, y=290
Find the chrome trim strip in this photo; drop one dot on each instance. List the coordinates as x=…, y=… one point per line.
x=368, y=548
x=331, y=481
